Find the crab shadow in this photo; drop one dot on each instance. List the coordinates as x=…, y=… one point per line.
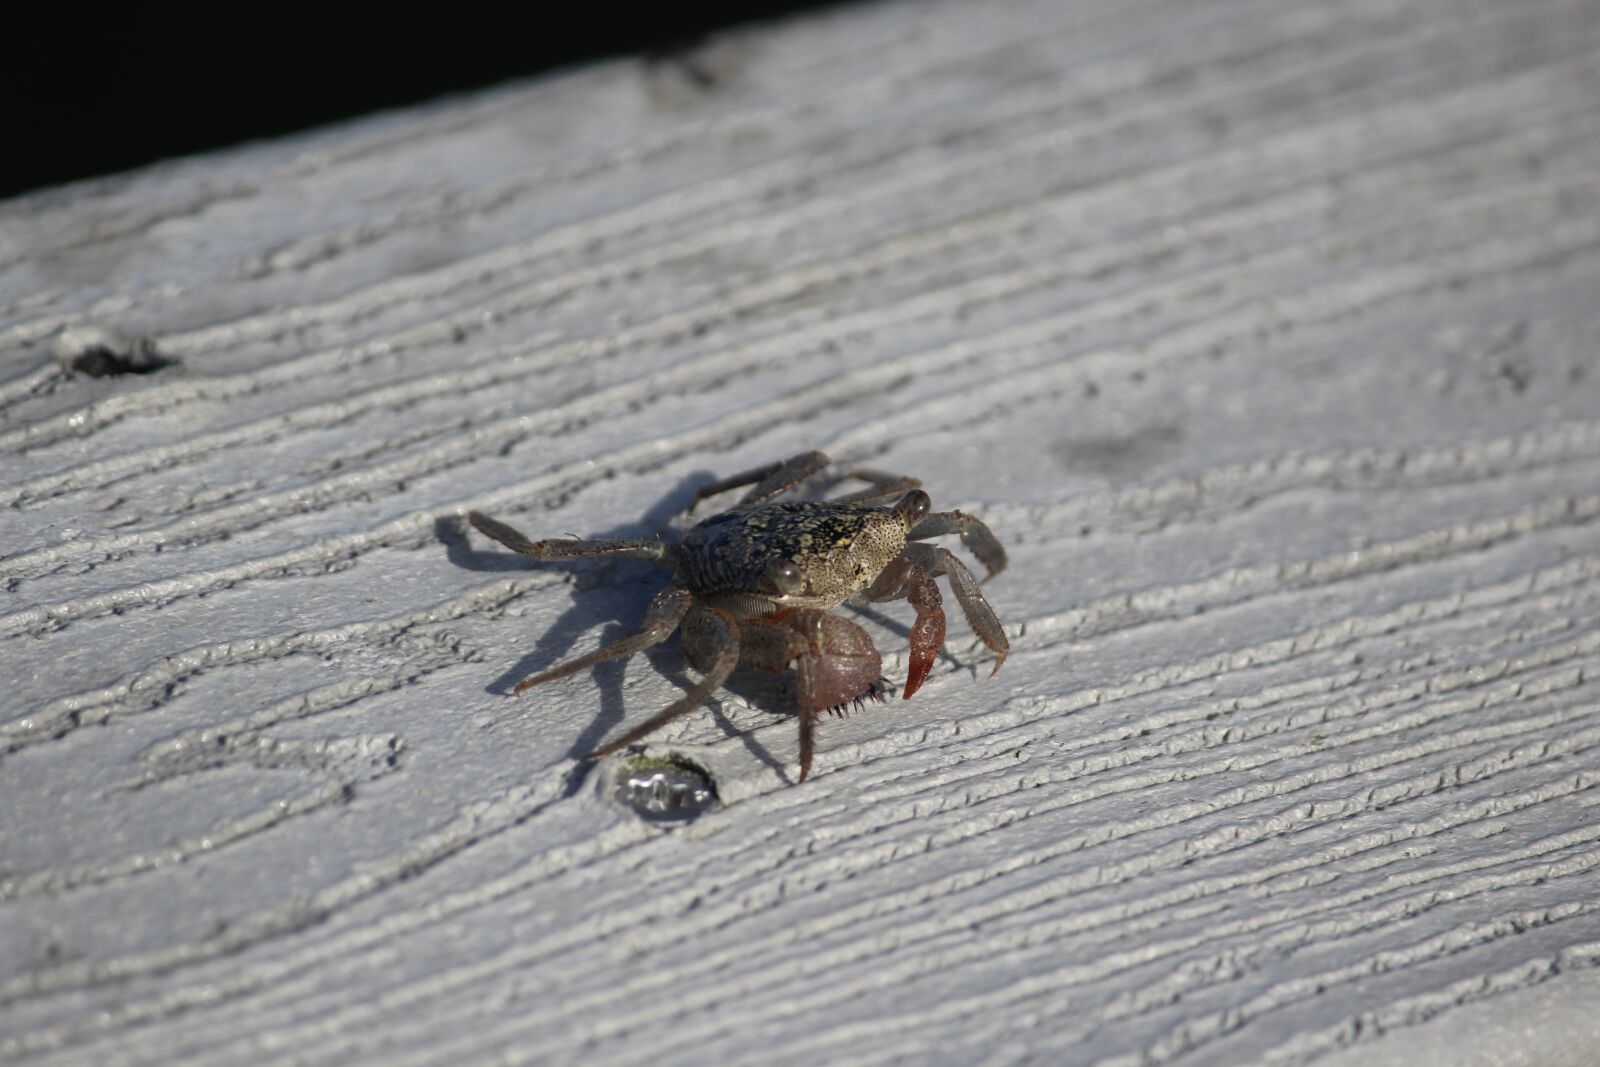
x=629, y=586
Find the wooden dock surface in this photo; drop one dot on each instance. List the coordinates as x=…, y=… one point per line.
x=1267, y=338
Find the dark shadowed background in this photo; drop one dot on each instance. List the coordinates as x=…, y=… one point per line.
x=128, y=86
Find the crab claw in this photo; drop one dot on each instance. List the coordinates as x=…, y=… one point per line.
x=927, y=633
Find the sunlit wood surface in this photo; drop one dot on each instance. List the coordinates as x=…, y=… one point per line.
x=1266, y=336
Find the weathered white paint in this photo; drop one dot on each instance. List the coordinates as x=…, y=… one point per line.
x=1264, y=334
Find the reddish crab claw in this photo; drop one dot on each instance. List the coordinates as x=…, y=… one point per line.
x=756, y=584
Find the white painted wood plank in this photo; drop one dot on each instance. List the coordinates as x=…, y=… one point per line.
x=1264, y=335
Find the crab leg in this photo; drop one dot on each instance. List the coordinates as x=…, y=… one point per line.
x=565, y=549
x=724, y=659
x=773, y=646
x=974, y=534
x=835, y=662
x=769, y=480
x=913, y=579
x=884, y=487
x=666, y=610
x=905, y=577
x=927, y=633
x=980, y=616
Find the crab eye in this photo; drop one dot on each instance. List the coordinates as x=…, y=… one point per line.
x=784, y=576
x=912, y=507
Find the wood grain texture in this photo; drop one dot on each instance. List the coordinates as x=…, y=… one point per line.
x=1264, y=335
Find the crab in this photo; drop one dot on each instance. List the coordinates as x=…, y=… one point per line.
x=757, y=584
